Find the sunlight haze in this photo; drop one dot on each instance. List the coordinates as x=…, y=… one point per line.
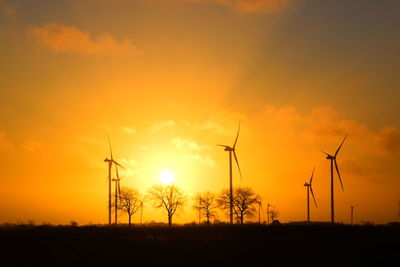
x=169, y=80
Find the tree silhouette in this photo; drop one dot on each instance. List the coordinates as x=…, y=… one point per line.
x=206, y=204
x=244, y=200
x=169, y=197
x=129, y=201
x=274, y=213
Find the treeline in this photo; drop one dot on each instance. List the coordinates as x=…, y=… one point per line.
x=246, y=203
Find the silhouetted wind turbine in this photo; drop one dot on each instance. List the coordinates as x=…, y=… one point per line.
x=232, y=150
x=110, y=162
x=333, y=161
x=309, y=188
x=352, y=213
x=117, y=192
x=269, y=205
x=260, y=208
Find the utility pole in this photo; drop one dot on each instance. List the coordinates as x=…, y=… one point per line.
x=351, y=214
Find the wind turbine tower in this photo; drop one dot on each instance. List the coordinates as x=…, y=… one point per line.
x=351, y=214
x=334, y=162
x=110, y=162
x=232, y=150
x=309, y=189
x=269, y=205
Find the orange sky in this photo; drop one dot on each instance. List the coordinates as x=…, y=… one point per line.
x=171, y=79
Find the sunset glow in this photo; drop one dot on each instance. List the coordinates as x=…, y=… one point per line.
x=167, y=177
x=169, y=80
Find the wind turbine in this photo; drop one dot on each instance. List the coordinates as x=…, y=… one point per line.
x=352, y=213
x=260, y=208
x=232, y=150
x=117, y=192
x=268, y=205
x=333, y=161
x=110, y=162
x=309, y=188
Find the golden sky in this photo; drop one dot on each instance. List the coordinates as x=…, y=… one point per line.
x=171, y=79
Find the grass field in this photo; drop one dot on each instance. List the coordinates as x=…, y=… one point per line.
x=251, y=245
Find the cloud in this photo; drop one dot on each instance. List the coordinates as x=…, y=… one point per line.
x=9, y=8
x=250, y=6
x=129, y=130
x=323, y=124
x=194, y=150
x=222, y=122
x=33, y=146
x=145, y=148
x=188, y=144
x=155, y=127
x=4, y=143
x=130, y=167
x=206, y=160
x=390, y=140
x=70, y=39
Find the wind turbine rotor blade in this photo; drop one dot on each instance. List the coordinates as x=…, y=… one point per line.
x=325, y=153
x=237, y=136
x=109, y=143
x=116, y=163
x=337, y=151
x=119, y=188
x=312, y=175
x=312, y=194
x=116, y=171
x=340, y=178
x=237, y=162
x=224, y=146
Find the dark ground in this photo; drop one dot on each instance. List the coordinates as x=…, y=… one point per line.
x=258, y=245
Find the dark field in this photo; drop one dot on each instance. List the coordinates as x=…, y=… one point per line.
x=258, y=245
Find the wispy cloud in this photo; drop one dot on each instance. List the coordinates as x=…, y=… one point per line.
x=204, y=159
x=250, y=6
x=194, y=150
x=130, y=167
x=145, y=148
x=155, y=127
x=390, y=140
x=33, y=146
x=324, y=124
x=129, y=130
x=188, y=144
x=9, y=8
x=4, y=143
x=70, y=39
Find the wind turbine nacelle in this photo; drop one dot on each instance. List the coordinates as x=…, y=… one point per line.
x=330, y=157
x=306, y=184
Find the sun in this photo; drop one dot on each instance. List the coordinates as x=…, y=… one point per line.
x=167, y=177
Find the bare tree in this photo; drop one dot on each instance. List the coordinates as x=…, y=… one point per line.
x=129, y=201
x=169, y=197
x=206, y=204
x=244, y=200
x=274, y=213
